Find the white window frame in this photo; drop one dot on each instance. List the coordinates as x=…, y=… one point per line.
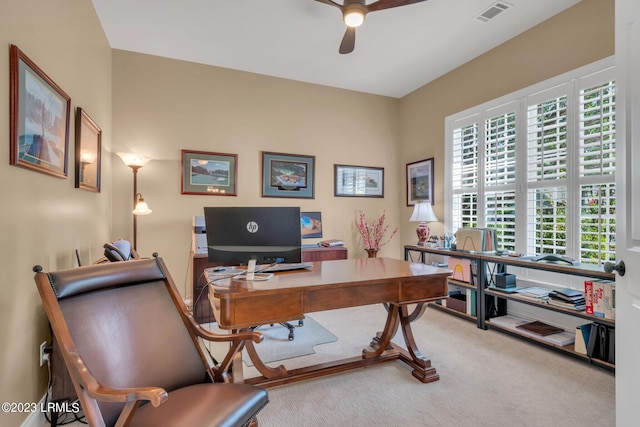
x=568, y=84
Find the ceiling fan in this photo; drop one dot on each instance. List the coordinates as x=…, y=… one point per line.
x=353, y=13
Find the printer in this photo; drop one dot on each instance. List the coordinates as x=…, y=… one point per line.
x=199, y=236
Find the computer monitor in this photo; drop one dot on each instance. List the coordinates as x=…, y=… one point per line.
x=236, y=235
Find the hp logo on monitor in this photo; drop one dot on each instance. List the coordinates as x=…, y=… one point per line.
x=252, y=227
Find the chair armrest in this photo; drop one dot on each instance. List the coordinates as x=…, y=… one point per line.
x=201, y=332
x=98, y=391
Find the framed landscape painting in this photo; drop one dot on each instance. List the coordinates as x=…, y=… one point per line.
x=288, y=175
x=210, y=174
x=420, y=182
x=39, y=118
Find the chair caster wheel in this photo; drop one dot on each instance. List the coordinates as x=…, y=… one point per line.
x=290, y=337
x=300, y=323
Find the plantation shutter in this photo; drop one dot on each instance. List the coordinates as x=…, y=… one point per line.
x=465, y=176
x=500, y=177
x=597, y=171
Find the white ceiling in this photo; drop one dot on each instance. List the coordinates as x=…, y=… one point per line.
x=397, y=50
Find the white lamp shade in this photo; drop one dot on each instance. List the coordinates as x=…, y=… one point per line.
x=131, y=159
x=141, y=206
x=423, y=212
x=142, y=209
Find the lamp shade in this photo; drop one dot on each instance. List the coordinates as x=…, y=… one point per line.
x=141, y=206
x=423, y=212
x=131, y=159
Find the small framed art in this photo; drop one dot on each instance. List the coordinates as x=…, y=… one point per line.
x=39, y=118
x=288, y=175
x=358, y=181
x=209, y=174
x=310, y=224
x=88, y=152
x=420, y=182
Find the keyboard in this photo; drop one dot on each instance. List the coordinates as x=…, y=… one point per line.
x=284, y=267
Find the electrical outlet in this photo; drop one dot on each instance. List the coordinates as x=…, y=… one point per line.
x=44, y=356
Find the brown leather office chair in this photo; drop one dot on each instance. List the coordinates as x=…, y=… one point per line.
x=131, y=349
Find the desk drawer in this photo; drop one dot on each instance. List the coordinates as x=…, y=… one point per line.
x=247, y=312
x=430, y=289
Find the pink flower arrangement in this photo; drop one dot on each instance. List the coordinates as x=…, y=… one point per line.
x=373, y=234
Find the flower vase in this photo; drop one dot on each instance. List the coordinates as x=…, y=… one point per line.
x=372, y=253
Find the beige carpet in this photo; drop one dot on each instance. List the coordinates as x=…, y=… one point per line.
x=486, y=379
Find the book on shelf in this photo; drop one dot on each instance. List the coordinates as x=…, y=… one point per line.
x=512, y=290
x=560, y=339
x=601, y=343
x=567, y=305
x=558, y=298
x=613, y=301
x=329, y=243
x=588, y=296
x=609, y=299
x=582, y=338
x=598, y=298
x=540, y=328
x=569, y=293
x=534, y=291
x=471, y=302
x=508, y=321
x=567, y=298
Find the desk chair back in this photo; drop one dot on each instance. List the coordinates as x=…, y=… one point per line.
x=127, y=327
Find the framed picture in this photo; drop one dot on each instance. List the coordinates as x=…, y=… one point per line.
x=358, y=181
x=288, y=175
x=209, y=174
x=420, y=182
x=39, y=118
x=88, y=152
x=310, y=224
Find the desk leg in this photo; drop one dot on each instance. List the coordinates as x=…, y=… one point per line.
x=265, y=370
x=398, y=315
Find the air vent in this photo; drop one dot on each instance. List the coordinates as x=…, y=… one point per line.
x=493, y=11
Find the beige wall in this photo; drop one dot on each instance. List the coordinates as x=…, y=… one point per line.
x=44, y=219
x=578, y=36
x=161, y=106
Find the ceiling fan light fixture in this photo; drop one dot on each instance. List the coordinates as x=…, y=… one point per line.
x=353, y=18
x=353, y=13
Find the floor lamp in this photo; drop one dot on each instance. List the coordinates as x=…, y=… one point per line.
x=140, y=207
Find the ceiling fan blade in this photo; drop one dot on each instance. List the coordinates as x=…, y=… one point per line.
x=330, y=3
x=348, y=41
x=388, y=4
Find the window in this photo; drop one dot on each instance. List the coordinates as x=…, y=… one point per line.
x=539, y=166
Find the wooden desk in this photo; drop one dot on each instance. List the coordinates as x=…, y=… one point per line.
x=329, y=285
x=202, y=310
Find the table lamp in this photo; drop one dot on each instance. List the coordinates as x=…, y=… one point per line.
x=423, y=213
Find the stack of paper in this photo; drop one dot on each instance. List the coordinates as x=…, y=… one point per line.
x=535, y=293
x=515, y=323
